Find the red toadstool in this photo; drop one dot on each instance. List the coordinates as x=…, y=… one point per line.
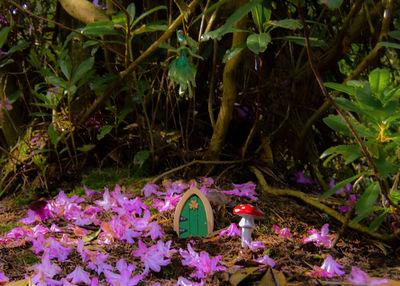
x=248, y=213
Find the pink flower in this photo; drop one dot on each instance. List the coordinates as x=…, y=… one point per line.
x=124, y=278
x=246, y=190
x=107, y=202
x=265, y=260
x=205, y=266
x=79, y=276
x=88, y=192
x=45, y=270
x=359, y=277
x=322, y=239
x=301, y=179
x=284, y=232
x=149, y=189
x=3, y=278
x=232, y=230
x=153, y=257
x=176, y=187
x=168, y=204
x=332, y=267
x=182, y=281
x=155, y=231
x=254, y=245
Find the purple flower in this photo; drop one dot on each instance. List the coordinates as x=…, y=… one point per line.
x=301, y=179
x=265, y=260
x=149, y=189
x=107, y=201
x=359, y=277
x=168, y=204
x=124, y=278
x=79, y=276
x=182, y=281
x=322, y=239
x=155, y=231
x=331, y=267
x=284, y=232
x=246, y=190
x=205, y=266
x=45, y=270
x=154, y=256
x=3, y=278
x=176, y=187
x=343, y=209
x=232, y=230
x=254, y=245
x=88, y=192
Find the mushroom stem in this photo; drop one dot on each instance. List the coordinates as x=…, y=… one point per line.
x=247, y=225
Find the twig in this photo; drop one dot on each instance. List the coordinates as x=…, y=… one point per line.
x=105, y=46
x=315, y=203
x=150, y=50
x=193, y=163
x=318, y=77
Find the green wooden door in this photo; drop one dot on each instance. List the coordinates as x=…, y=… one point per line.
x=193, y=220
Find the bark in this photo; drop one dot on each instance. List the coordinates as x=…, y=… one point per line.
x=84, y=11
x=228, y=94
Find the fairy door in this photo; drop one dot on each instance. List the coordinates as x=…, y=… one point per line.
x=193, y=215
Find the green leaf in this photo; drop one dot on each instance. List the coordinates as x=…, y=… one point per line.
x=341, y=87
x=53, y=134
x=395, y=34
x=131, y=9
x=368, y=198
x=66, y=66
x=291, y=24
x=314, y=42
x=3, y=36
x=141, y=87
x=104, y=131
x=389, y=45
x=385, y=167
x=86, y=148
x=376, y=223
x=20, y=46
x=349, y=152
x=141, y=157
x=89, y=43
x=261, y=13
x=257, y=43
x=230, y=54
x=124, y=112
x=232, y=20
x=98, y=29
x=342, y=184
x=56, y=81
x=379, y=79
x=82, y=69
x=14, y=97
x=332, y=4
x=363, y=215
x=145, y=14
x=337, y=123
x=395, y=196
x=9, y=61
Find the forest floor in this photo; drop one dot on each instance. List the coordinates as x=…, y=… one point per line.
x=295, y=260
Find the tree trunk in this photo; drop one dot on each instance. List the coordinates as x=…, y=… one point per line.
x=229, y=92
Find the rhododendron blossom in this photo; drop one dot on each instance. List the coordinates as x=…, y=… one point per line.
x=320, y=239
x=205, y=266
x=284, y=232
x=265, y=260
x=329, y=268
x=230, y=231
x=359, y=277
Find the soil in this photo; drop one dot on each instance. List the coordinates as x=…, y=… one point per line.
x=294, y=259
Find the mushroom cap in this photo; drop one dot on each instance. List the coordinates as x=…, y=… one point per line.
x=248, y=210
